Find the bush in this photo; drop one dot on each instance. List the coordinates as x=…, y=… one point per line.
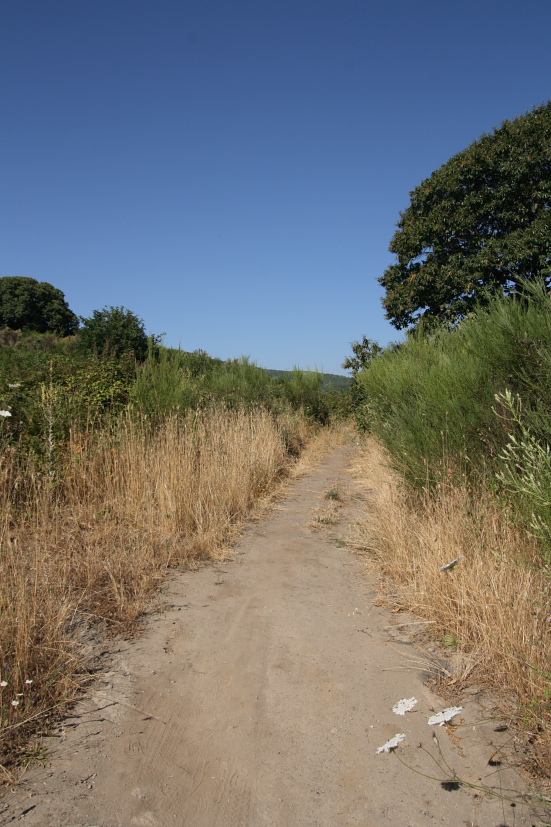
x=49, y=393
x=473, y=402
x=434, y=396
x=114, y=331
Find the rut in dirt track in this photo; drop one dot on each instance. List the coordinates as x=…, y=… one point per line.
x=259, y=700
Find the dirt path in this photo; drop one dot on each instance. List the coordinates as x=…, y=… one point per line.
x=259, y=698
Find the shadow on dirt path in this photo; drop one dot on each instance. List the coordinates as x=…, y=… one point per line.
x=259, y=696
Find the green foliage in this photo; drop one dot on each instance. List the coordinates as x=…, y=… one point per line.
x=331, y=381
x=27, y=304
x=116, y=331
x=239, y=383
x=526, y=468
x=412, y=394
x=174, y=380
x=304, y=389
x=364, y=352
x=480, y=225
x=165, y=384
x=49, y=392
x=434, y=396
x=473, y=402
x=198, y=363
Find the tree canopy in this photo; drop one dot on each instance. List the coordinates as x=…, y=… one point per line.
x=114, y=330
x=28, y=304
x=480, y=224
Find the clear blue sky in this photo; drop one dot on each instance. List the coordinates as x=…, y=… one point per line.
x=232, y=171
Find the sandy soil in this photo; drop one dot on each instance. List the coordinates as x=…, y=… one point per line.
x=258, y=698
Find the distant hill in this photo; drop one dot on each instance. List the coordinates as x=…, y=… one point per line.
x=331, y=381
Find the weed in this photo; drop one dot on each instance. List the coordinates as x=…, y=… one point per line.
x=33, y=754
x=449, y=641
x=328, y=516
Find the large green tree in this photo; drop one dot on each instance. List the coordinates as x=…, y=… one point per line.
x=28, y=304
x=116, y=331
x=480, y=224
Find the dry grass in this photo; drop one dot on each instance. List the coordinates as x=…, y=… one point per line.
x=320, y=442
x=329, y=513
x=327, y=516
x=495, y=604
x=93, y=540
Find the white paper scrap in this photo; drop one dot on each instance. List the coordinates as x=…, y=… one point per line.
x=445, y=716
x=392, y=744
x=403, y=706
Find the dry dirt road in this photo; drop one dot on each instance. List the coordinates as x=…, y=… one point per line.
x=258, y=698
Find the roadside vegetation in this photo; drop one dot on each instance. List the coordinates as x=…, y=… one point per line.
x=457, y=417
x=113, y=468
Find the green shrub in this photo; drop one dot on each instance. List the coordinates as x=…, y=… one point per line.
x=163, y=385
x=172, y=380
x=49, y=392
x=473, y=402
x=432, y=399
x=114, y=331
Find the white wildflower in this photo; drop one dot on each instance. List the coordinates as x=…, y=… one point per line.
x=15, y=703
x=445, y=716
x=15, y=385
x=3, y=683
x=5, y=413
x=19, y=694
x=403, y=706
x=28, y=683
x=392, y=744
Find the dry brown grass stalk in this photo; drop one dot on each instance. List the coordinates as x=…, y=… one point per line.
x=95, y=539
x=318, y=442
x=494, y=605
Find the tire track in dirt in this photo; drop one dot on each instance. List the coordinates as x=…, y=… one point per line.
x=253, y=701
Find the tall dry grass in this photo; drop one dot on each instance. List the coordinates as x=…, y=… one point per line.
x=493, y=607
x=93, y=538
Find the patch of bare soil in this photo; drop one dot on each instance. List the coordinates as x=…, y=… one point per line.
x=259, y=696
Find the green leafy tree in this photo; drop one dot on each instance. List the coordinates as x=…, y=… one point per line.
x=115, y=331
x=28, y=304
x=481, y=224
x=364, y=352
